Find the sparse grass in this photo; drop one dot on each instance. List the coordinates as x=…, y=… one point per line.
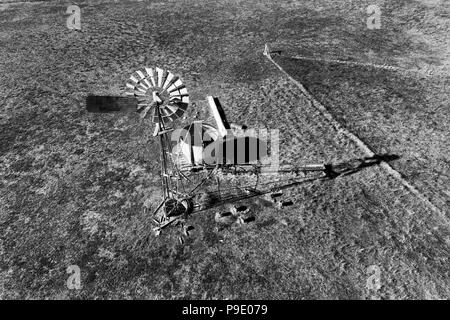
x=72, y=184
x=401, y=112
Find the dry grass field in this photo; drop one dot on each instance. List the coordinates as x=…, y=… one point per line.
x=73, y=184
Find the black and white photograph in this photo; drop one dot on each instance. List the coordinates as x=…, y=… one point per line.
x=199, y=151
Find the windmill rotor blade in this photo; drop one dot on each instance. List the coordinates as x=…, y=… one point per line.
x=178, y=114
x=181, y=107
x=169, y=80
x=141, y=105
x=142, y=98
x=159, y=72
x=176, y=85
x=184, y=99
x=142, y=101
x=172, y=112
x=172, y=108
x=143, y=86
x=166, y=73
x=180, y=92
x=147, y=83
x=165, y=113
x=141, y=90
x=140, y=74
x=130, y=86
x=161, y=76
x=151, y=74
x=135, y=93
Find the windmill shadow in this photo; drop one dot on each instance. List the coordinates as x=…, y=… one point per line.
x=352, y=166
x=332, y=171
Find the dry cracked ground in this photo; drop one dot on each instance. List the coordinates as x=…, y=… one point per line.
x=73, y=184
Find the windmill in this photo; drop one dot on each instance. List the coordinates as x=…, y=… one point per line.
x=163, y=96
x=185, y=165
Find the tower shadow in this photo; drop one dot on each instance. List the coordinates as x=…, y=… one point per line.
x=332, y=171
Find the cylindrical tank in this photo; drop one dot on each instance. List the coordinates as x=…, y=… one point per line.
x=200, y=144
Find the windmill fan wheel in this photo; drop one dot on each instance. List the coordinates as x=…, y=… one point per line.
x=160, y=94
